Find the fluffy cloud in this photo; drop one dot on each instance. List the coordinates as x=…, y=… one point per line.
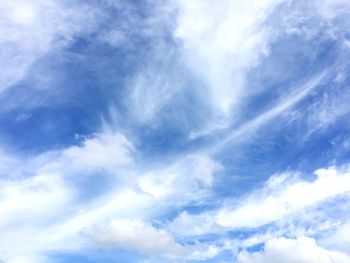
x=284, y=195
x=36, y=196
x=222, y=42
x=145, y=238
x=27, y=207
x=284, y=198
x=51, y=200
x=140, y=236
x=301, y=250
x=105, y=151
x=45, y=204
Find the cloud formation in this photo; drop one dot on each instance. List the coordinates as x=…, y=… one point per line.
x=31, y=30
x=174, y=131
x=303, y=250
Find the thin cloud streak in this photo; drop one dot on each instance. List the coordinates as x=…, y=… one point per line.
x=152, y=178
x=253, y=125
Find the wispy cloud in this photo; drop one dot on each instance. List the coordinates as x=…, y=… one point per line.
x=281, y=198
x=290, y=100
x=31, y=30
x=221, y=51
x=191, y=84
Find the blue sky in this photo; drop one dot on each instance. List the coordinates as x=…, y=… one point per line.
x=174, y=131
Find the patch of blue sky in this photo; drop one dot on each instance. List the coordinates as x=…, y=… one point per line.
x=97, y=256
x=142, y=136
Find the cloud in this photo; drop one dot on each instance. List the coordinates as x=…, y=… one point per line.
x=194, y=171
x=128, y=210
x=38, y=196
x=143, y=237
x=330, y=9
x=288, y=101
x=140, y=236
x=221, y=43
x=151, y=92
x=328, y=109
x=30, y=30
x=301, y=250
x=28, y=207
x=47, y=204
x=191, y=225
x=278, y=200
x=104, y=151
x=199, y=66
x=283, y=201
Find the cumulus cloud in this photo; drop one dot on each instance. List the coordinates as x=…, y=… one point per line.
x=138, y=235
x=302, y=249
x=145, y=238
x=47, y=203
x=105, y=151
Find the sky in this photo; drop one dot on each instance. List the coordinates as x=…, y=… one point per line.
x=157, y=131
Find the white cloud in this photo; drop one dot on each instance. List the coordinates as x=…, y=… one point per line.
x=8, y=162
x=289, y=101
x=329, y=108
x=43, y=213
x=220, y=45
x=272, y=204
x=28, y=30
x=222, y=42
x=105, y=151
x=48, y=200
x=301, y=250
x=332, y=8
x=49, y=227
x=40, y=213
x=191, y=225
x=27, y=209
x=39, y=195
x=22, y=13
x=140, y=236
x=283, y=200
x=151, y=92
x=143, y=237
x=194, y=171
